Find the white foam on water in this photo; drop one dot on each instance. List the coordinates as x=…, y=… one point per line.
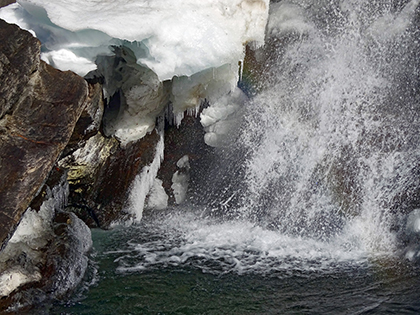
x=185, y=239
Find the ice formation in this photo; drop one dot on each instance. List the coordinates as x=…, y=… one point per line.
x=221, y=117
x=144, y=182
x=180, y=179
x=180, y=37
x=157, y=199
x=197, y=45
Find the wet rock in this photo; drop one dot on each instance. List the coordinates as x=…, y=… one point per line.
x=39, y=109
x=101, y=173
x=90, y=120
x=183, y=142
x=47, y=256
x=3, y=3
x=99, y=170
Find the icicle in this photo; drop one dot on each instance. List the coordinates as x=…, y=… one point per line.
x=144, y=182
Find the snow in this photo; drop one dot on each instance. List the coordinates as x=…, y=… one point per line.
x=171, y=37
x=195, y=44
x=64, y=59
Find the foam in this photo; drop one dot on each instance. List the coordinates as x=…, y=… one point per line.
x=237, y=246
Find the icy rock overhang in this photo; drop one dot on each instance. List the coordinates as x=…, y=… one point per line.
x=173, y=38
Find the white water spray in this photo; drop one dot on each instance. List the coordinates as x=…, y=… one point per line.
x=325, y=167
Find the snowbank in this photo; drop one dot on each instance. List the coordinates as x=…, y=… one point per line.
x=171, y=37
x=196, y=44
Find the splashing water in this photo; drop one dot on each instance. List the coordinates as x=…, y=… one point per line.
x=325, y=165
x=339, y=148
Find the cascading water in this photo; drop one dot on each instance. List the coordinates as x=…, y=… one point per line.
x=334, y=135
x=325, y=163
x=321, y=174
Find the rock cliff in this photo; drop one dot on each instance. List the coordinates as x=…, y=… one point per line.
x=39, y=108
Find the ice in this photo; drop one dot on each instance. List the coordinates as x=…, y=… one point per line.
x=157, y=199
x=180, y=37
x=210, y=84
x=180, y=179
x=221, y=117
x=144, y=183
x=195, y=44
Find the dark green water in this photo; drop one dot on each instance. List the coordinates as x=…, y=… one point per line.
x=387, y=286
x=320, y=197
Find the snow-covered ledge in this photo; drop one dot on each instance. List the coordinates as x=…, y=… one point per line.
x=196, y=44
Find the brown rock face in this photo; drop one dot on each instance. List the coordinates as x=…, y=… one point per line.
x=99, y=170
x=3, y=3
x=101, y=173
x=39, y=107
x=19, y=59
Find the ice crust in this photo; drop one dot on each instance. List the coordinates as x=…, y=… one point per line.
x=171, y=37
x=144, y=183
x=195, y=44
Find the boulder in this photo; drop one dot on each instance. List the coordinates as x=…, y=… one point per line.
x=100, y=170
x=38, y=111
x=47, y=256
x=101, y=173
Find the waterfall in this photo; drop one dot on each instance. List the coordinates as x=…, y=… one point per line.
x=333, y=137
x=324, y=166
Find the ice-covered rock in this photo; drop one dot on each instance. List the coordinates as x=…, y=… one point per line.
x=145, y=180
x=135, y=95
x=180, y=37
x=103, y=175
x=47, y=255
x=180, y=179
x=197, y=45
